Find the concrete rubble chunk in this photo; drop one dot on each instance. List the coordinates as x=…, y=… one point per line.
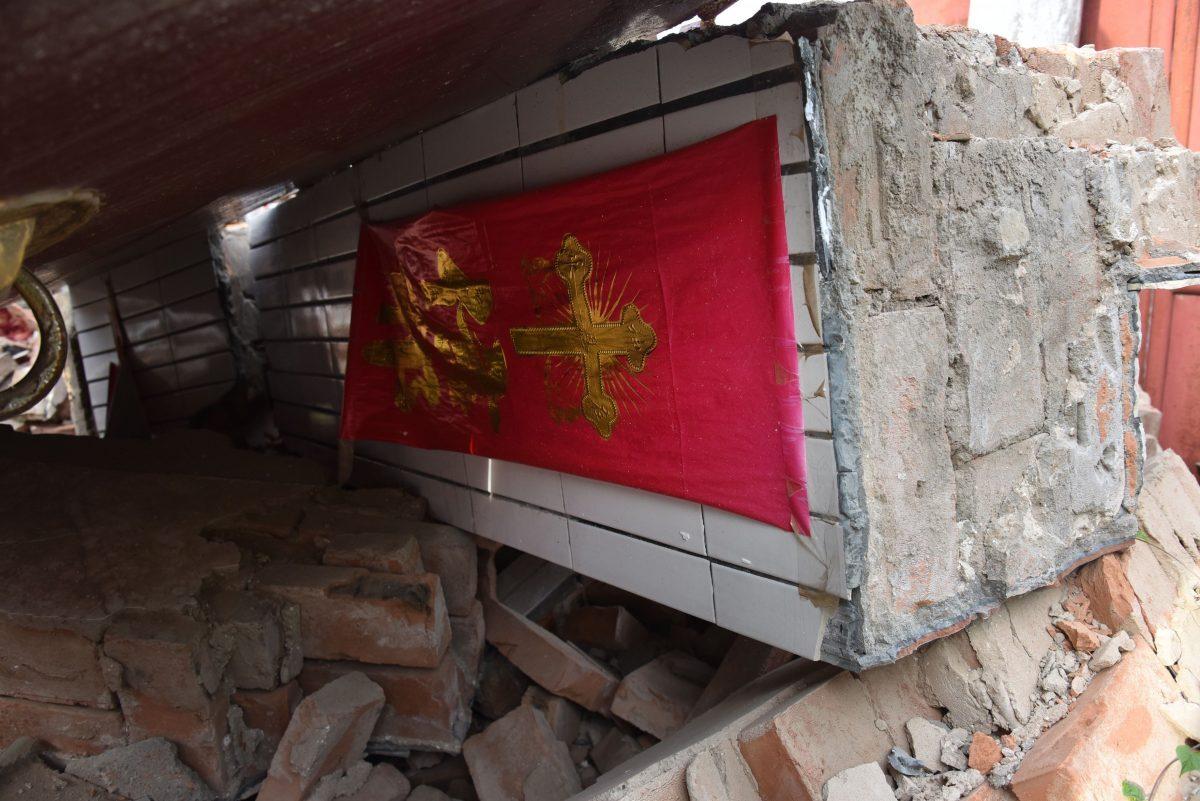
x=926, y=737
x=554, y=664
x=518, y=758
x=382, y=552
x=1168, y=646
x=954, y=749
x=745, y=661
x=613, y=748
x=1185, y=717
x=1110, y=652
x=327, y=734
x=865, y=782
x=251, y=630
x=658, y=696
x=467, y=640
x=720, y=774
x=71, y=729
x=352, y=614
x=341, y=783
x=1116, y=731
x=25, y=777
x=56, y=666
x=426, y=709
x=611, y=628
x=949, y=667
x=166, y=656
x=148, y=769
x=202, y=734
x=562, y=715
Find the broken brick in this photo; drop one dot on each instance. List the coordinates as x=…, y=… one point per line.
x=501, y=686
x=201, y=734
x=1082, y=637
x=393, y=502
x=383, y=552
x=427, y=709
x=327, y=733
x=52, y=665
x=451, y=555
x=518, y=757
x=562, y=715
x=554, y=664
x=72, y=729
x=1110, y=595
x=984, y=753
x=467, y=641
x=609, y=627
x=384, y=783
x=745, y=661
x=165, y=656
x=24, y=776
x=146, y=769
x=614, y=748
x=658, y=696
x=352, y=614
x=1116, y=731
x=269, y=710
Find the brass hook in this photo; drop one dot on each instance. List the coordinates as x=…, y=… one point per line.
x=52, y=352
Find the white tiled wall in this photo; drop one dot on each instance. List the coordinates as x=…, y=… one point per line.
x=177, y=335
x=707, y=562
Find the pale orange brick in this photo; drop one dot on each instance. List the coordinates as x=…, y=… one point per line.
x=269, y=710
x=73, y=729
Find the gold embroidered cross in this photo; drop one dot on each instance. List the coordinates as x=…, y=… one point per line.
x=594, y=342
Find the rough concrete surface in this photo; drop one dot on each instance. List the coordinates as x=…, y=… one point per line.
x=982, y=209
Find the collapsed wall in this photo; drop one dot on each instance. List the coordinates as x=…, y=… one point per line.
x=983, y=209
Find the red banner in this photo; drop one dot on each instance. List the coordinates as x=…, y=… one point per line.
x=632, y=327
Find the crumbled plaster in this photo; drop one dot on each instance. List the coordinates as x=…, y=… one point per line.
x=981, y=210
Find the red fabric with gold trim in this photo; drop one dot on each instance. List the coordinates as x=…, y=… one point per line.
x=632, y=327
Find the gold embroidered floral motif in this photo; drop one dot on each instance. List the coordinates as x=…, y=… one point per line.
x=594, y=342
x=436, y=362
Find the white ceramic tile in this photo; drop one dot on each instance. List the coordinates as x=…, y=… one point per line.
x=206, y=369
x=687, y=70
x=797, y=206
x=190, y=250
x=786, y=103
x=773, y=54
x=822, y=476
x=297, y=248
x=267, y=259
x=802, y=315
x=671, y=521
x=273, y=324
x=337, y=237
x=814, y=383
x=391, y=170
x=445, y=464
x=526, y=528
x=88, y=291
x=448, y=503
x=677, y=579
x=595, y=154
x=512, y=480
x=262, y=224
x=609, y=89
x=270, y=292
x=702, y=122
x=188, y=282
x=408, y=205
x=96, y=367
x=95, y=341
x=138, y=271
x=300, y=357
x=324, y=393
x=769, y=611
x=814, y=561
x=490, y=182
x=474, y=136
x=90, y=315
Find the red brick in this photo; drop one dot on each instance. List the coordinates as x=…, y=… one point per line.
x=467, y=641
x=425, y=709
x=73, y=729
x=165, y=656
x=609, y=627
x=501, y=686
x=984, y=753
x=518, y=757
x=452, y=556
x=52, y=665
x=1116, y=731
x=201, y=734
x=269, y=710
x=554, y=664
x=383, y=552
x=1081, y=635
x=352, y=614
x=614, y=748
x=745, y=661
x=658, y=696
x=562, y=715
x=1108, y=591
x=327, y=733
